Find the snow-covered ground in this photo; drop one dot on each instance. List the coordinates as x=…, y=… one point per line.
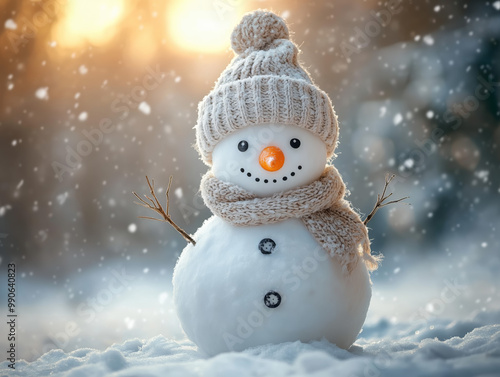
x=437, y=348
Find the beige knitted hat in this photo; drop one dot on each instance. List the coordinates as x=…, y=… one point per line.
x=264, y=83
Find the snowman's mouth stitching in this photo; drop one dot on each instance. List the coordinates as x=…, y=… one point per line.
x=257, y=179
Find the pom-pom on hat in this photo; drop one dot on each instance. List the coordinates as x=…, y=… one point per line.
x=258, y=29
x=264, y=83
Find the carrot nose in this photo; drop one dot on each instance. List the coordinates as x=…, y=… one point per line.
x=271, y=158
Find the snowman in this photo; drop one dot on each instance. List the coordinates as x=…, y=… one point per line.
x=284, y=257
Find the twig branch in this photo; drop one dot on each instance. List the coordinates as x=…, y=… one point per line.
x=157, y=207
x=382, y=198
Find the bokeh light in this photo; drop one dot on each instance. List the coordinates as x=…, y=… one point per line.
x=95, y=21
x=204, y=26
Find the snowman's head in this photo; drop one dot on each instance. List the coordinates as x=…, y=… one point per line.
x=263, y=86
x=269, y=158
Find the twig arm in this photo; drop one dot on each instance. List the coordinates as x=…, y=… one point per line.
x=158, y=208
x=382, y=198
x=168, y=192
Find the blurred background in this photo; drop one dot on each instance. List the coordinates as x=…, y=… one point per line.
x=95, y=94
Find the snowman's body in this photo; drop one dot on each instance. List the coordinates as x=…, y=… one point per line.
x=220, y=288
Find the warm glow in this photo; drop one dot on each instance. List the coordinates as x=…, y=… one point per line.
x=201, y=25
x=142, y=47
x=91, y=20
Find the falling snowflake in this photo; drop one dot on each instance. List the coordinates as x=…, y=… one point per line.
x=429, y=40
x=409, y=163
x=10, y=24
x=129, y=322
x=482, y=175
x=397, y=119
x=83, y=116
x=83, y=70
x=42, y=93
x=4, y=209
x=145, y=108
x=162, y=297
x=61, y=198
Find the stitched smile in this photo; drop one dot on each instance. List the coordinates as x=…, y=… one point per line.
x=257, y=179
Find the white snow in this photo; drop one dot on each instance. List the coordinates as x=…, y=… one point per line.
x=4, y=209
x=429, y=40
x=437, y=348
x=145, y=108
x=409, y=162
x=129, y=322
x=10, y=24
x=383, y=110
x=83, y=69
x=82, y=117
x=482, y=175
x=42, y=93
x=397, y=119
x=132, y=228
x=496, y=5
x=61, y=198
x=162, y=297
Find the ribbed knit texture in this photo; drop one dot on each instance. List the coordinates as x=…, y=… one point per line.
x=263, y=84
x=320, y=205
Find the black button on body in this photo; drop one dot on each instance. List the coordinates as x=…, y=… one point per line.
x=266, y=246
x=272, y=299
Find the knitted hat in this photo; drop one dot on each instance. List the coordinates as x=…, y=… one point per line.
x=264, y=83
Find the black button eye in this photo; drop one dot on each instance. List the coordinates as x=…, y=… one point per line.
x=243, y=146
x=295, y=143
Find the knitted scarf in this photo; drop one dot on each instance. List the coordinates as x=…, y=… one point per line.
x=320, y=205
